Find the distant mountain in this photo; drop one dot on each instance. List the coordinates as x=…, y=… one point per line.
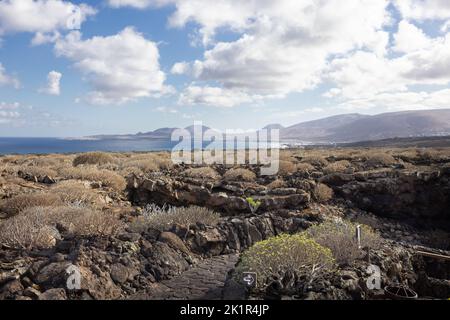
x=358, y=127
x=343, y=128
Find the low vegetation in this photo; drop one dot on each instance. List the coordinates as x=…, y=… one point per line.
x=239, y=174
x=39, y=227
x=337, y=167
x=75, y=192
x=286, y=167
x=165, y=217
x=93, y=158
x=15, y=205
x=91, y=173
x=276, y=256
x=323, y=193
x=201, y=173
x=340, y=238
x=315, y=160
x=379, y=160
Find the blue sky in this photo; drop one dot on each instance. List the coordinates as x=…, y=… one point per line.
x=138, y=65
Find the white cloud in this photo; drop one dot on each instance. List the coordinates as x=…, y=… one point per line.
x=43, y=38
x=180, y=68
x=166, y=110
x=410, y=38
x=8, y=80
x=41, y=16
x=213, y=96
x=53, y=84
x=424, y=9
x=284, y=46
x=139, y=4
x=397, y=101
x=120, y=68
x=9, y=112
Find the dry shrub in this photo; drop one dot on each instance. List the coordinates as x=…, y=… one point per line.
x=36, y=227
x=75, y=192
x=26, y=231
x=15, y=205
x=305, y=168
x=337, y=167
x=84, y=221
x=39, y=172
x=286, y=167
x=317, y=161
x=9, y=169
x=323, y=193
x=144, y=163
x=339, y=236
x=380, y=159
x=93, y=158
x=276, y=256
x=139, y=166
x=89, y=173
x=278, y=183
x=239, y=174
x=434, y=154
x=52, y=160
x=163, y=218
x=201, y=173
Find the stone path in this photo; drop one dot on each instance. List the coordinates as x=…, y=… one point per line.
x=204, y=281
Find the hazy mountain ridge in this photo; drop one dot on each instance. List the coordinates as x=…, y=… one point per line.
x=351, y=127
x=357, y=127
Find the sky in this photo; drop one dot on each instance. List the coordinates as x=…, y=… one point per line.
x=74, y=68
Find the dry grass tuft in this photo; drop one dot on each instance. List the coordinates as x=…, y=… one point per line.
x=286, y=167
x=36, y=227
x=239, y=174
x=305, y=168
x=75, y=192
x=15, y=205
x=163, y=218
x=93, y=158
x=278, y=183
x=201, y=173
x=339, y=236
x=317, y=161
x=89, y=173
x=35, y=171
x=379, y=159
x=337, y=167
x=323, y=193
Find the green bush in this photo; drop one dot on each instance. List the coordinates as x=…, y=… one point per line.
x=284, y=253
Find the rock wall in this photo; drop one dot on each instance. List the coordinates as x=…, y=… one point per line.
x=405, y=195
x=228, y=198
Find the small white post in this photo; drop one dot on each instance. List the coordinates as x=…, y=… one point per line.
x=358, y=235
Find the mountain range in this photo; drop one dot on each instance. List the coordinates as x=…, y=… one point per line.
x=342, y=128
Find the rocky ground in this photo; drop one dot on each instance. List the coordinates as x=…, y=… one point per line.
x=404, y=196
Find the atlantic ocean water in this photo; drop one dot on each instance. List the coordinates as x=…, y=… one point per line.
x=56, y=145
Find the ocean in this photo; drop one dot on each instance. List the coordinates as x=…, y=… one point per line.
x=56, y=145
